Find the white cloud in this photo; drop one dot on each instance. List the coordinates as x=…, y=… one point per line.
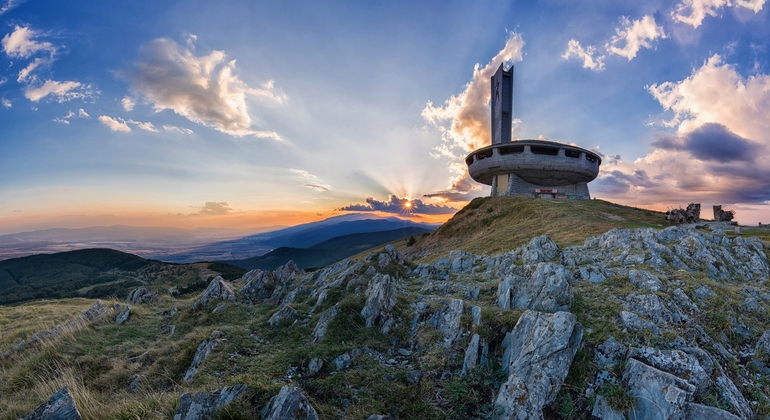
x=3, y=80
x=717, y=93
x=25, y=74
x=115, y=124
x=216, y=208
x=177, y=129
x=7, y=103
x=311, y=181
x=634, y=35
x=62, y=91
x=204, y=89
x=463, y=119
x=21, y=44
x=146, y=126
x=83, y=114
x=693, y=12
x=720, y=152
x=591, y=58
x=10, y=5
x=65, y=119
x=128, y=103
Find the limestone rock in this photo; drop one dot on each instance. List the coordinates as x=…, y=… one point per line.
x=541, y=352
x=323, y=323
x=96, y=312
x=603, y=411
x=60, y=406
x=218, y=290
x=764, y=342
x=202, y=405
x=650, y=306
x=123, y=315
x=734, y=396
x=314, y=366
x=381, y=297
x=203, y=351
x=471, y=354
x=609, y=353
x=632, y=321
x=704, y=412
x=658, y=395
x=289, y=404
x=645, y=280
x=676, y=362
x=284, y=313
x=539, y=249
x=447, y=320
x=141, y=295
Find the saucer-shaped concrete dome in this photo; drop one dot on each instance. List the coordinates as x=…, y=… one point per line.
x=535, y=168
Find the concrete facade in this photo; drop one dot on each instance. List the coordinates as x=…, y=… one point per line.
x=535, y=168
x=502, y=105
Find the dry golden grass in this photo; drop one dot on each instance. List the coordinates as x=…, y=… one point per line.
x=21, y=322
x=491, y=225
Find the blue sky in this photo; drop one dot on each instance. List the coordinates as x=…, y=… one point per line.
x=248, y=114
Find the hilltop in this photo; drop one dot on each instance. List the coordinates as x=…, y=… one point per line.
x=590, y=316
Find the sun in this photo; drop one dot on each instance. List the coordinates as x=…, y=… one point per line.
x=408, y=204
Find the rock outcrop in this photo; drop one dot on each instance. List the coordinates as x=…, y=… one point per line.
x=202, y=405
x=60, y=406
x=538, y=359
x=289, y=404
x=381, y=297
x=204, y=351
x=141, y=295
x=218, y=290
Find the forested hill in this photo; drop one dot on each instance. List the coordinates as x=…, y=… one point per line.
x=63, y=274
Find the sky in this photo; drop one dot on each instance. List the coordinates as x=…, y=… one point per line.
x=245, y=114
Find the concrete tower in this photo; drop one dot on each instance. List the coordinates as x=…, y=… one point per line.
x=502, y=105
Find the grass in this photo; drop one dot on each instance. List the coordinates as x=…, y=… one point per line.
x=491, y=225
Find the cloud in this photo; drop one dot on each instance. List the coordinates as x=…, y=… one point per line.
x=61, y=91
x=25, y=75
x=177, y=129
x=311, y=181
x=720, y=151
x=3, y=80
x=21, y=43
x=397, y=205
x=146, y=126
x=9, y=5
x=716, y=93
x=591, y=58
x=463, y=119
x=66, y=119
x=204, y=89
x=115, y=124
x=693, y=12
x=7, y=103
x=214, y=208
x=710, y=142
x=634, y=35
x=127, y=103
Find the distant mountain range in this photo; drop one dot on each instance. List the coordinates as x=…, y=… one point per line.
x=327, y=252
x=301, y=236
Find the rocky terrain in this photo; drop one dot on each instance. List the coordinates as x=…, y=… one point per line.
x=634, y=323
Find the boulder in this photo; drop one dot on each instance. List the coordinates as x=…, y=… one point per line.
x=645, y=280
x=202, y=405
x=632, y=322
x=540, y=354
x=96, y=312
x=381, y=297
x=319, y=332
x=289, y=404
x=539, y=249
x=603, y=411
x=650, y=306
x=676, y=362
x=609, y=353
x=701, y=412
x=218, y=290
x=471, y=354
x=314, y=366
x=123, y=315
x=60, y=406
x=764, y=342
x=658, y=395
x=141, y=295
x=286, y=312
x=203, y=351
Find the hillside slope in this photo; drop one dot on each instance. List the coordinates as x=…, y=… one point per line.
x=488, y=225
x=625, y=324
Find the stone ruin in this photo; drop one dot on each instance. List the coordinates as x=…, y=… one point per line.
x=723, y=215
x=689, y=215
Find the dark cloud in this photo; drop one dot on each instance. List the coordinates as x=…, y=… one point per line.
x=397, y=205
x=617, y=182
x=710, y=142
